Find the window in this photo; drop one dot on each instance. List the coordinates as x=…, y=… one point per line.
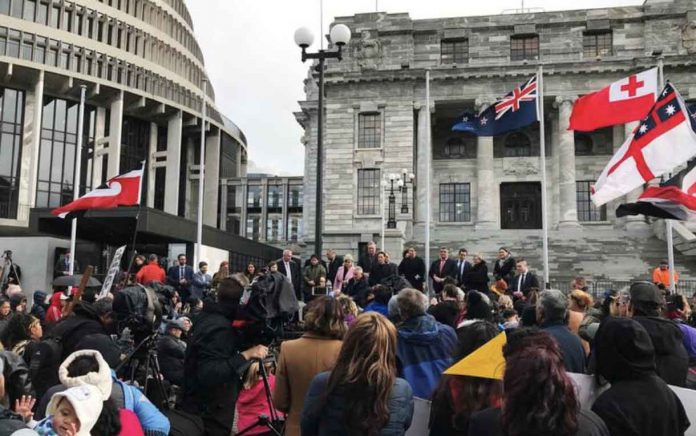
x=368, y=192
x=12, y=108
x=457, y=148
x=254, y=198
x=455, y=202
x=233, y=225
x=253, y=225
x=294, y=225
x=275, y=198
x=454, y=51
x=29, y=10
x=57, y=152
x=135, y=143
x=370, y=130
x=583, y=144
x=517, y=144
x=295, y=198
x=274, y=229
x=596, y=44
x=524, y=47
x=587, y=211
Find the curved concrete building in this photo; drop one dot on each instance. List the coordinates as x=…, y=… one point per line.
x=144, y=75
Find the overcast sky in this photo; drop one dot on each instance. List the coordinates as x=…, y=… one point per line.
x=257, y=73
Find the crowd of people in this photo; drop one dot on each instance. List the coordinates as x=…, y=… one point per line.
x=369, y=337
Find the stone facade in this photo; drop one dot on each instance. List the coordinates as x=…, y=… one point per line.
x=383, y=73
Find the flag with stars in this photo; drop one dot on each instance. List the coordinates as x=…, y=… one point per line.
x=664, y=139
x=514, y=110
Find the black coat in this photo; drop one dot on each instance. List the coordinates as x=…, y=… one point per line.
x=488, y=423
x=71, y=330
x=448, y=270
x=671, y=359
x=214, y=367
x=381, y=272
x=171, y=352
x=295, y=276
x=367, y=262
x=530, y=281
x=357, y=290
x=477, y=278
x=413, y=270
x=332, y=268
x=507, y=271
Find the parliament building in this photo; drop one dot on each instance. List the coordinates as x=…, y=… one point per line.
x=485, y=192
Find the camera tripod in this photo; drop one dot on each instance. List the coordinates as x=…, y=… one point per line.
x=8, y=270
x=273, y=423
x=143, y=360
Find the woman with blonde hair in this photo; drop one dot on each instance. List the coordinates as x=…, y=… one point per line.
x=362, y=395
x=344, y=273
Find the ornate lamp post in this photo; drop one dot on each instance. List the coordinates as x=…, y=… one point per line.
x=339, y=35
x=391, y=221
x=406, y=178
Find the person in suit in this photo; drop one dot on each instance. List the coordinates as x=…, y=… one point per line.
x=369, y=260
x=412, y=268
x=180, y=277
x=291, y=270
x=333, y=263
x=441, y=268
x=504, y=268
x=525, y=280
x=62, y=267
x=463, y=266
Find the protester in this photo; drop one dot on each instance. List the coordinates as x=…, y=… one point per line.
x=22, y=333
x=301, y=359
x=171, y=351
x=358, y=287
x=252, y=401
x=38, y=308
x=344, y=273
x=55, y=310
x=72, y=412
x=539, y=398
x=152, y=272
x=448, y=311
x=86, y=319
x=478, y=307
x=457, y=397
x=362, y=394
x=250, y=271
x=138, y=264
x=671, y=359
x=18, y=303
x=412, y=268
x=660, y=275
x=180, y=276
x=222, y=273
x=424, y=346
x=215, y=360
x=350, y=309
x=679, y=311
x=581, y=313
x=551, y=311
x=380, y=301
x=638, y=402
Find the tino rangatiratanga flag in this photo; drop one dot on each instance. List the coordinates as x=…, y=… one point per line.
x=515, y=110
x=664, y=139
x=123, y=190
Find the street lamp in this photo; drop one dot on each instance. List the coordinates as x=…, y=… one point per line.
x=391, y=221
x=339, y=35
x=406, y=177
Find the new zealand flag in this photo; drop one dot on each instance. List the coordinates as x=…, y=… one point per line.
x=515, y=110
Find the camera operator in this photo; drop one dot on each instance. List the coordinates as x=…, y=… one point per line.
x=215, y=361
x=171, y=351
x=202, y=281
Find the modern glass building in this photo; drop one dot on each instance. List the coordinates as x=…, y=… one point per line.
x=144, y=76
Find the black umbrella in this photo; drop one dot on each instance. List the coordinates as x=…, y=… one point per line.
x=74, y=280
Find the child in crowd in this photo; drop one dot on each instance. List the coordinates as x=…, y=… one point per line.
x=252, y=401
x=73, y=412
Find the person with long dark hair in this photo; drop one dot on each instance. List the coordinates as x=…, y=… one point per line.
x=362, y=395
x=539, y=397
x=457, y=397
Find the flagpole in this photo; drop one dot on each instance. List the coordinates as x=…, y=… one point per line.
x=427, y=179
x=137, y=221
x=201, y=181
x=542, y=153
x=77, y=174
x=668, y=223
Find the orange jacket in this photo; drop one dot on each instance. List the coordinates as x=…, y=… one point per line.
x=151, y=272
x=660, y=276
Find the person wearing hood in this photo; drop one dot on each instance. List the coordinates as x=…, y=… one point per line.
x=171, y=351
x=424, y=346
x=18, y=303
x=679, y=311
x=55, y=310
x=38, y=309
x=215, y=360
x=5, y=313
x=86, y=319
x=639, y=402
x=671, y=358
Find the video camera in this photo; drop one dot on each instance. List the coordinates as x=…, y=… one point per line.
x=139, y=308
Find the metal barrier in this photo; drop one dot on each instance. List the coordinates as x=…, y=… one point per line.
x=597, y=288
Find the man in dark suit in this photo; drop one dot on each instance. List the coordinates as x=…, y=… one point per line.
x=441, y=268
x=62, y=267
x=524, y=280
x=463, y=266
x=180, y=277
x=333, y=264
x=369, y=260
x=291, y=269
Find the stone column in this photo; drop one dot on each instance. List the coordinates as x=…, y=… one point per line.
x=115, y=133
x=634, y=222
x=212, y=179
x=33, y=110
x=421, y=196
x=244, y=187
x=566, y=162
x=99, y=141
x=173, y=168
x=151, y=166
x=485, y=178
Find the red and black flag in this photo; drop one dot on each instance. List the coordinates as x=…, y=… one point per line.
x=123, y=190
x=674, y=199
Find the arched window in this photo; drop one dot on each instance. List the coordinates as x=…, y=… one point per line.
x=583, y=144
x=518, y=144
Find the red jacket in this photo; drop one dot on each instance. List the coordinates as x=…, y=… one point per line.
x=151, y=272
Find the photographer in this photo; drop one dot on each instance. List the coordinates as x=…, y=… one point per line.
x=171, y=350
x=215, y=362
